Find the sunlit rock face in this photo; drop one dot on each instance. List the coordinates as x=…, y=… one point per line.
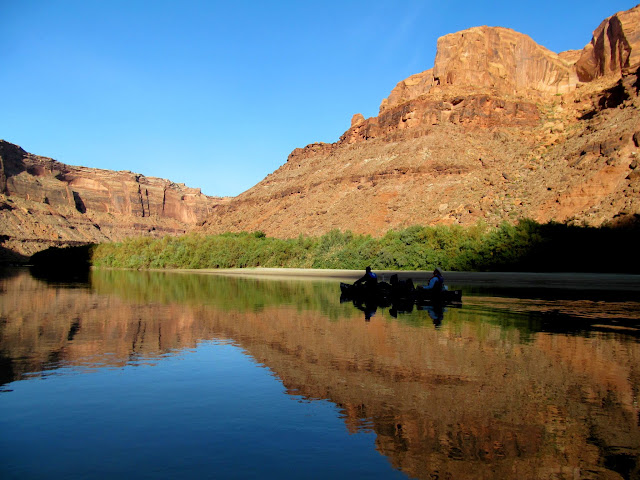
x=507, y=62
x=499, y=129
x=498, y=60
x=615, y=47
x=501, y=59
x=44, y=202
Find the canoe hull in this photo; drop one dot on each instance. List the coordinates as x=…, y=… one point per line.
x=384, y=293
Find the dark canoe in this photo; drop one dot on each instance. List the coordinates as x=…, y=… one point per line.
x=383, y=293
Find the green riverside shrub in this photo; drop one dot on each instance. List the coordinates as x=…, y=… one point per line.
x=524, y=246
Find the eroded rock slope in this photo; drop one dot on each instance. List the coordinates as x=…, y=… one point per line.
x=500, y=128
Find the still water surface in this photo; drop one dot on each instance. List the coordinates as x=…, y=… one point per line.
x=160, y=375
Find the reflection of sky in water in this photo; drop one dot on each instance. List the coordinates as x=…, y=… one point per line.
x=180, y=375
x=205, y=412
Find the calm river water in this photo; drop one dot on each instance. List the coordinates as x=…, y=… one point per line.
x=166, y=375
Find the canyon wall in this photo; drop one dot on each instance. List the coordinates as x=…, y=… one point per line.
x=495, y=60
x=47, y=203
x=613, y=48
x=499, y=129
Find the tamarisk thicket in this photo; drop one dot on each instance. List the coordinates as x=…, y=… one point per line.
x=524, y=246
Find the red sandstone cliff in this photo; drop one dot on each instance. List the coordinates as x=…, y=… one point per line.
x=44, y=202
x=495, y=60
x=500, y=128
x=614, y=48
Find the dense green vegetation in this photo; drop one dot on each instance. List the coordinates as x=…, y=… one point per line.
x=525, y=246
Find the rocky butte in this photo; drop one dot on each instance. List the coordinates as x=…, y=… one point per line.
x=499, y=129
x=46, y=203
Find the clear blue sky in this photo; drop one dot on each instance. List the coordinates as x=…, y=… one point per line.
x=216, y=94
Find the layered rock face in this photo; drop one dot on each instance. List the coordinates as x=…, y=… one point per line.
x=495, y=60
x=44, y=202
x=500, y=59
x=613, y=48
x=499, y=129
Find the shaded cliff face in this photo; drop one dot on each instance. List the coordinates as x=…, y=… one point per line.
x=44, y=202
x=500, y=128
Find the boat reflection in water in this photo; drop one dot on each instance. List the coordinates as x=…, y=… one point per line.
x=497, y=388
x=369, y=307
x=399, y=296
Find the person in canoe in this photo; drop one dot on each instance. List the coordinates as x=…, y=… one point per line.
x=369, y=279
x=436, y=283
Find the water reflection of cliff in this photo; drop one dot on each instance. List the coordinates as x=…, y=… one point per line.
x=499, y=399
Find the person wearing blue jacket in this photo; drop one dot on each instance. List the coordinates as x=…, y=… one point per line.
x=369, y=279
x=436, y=283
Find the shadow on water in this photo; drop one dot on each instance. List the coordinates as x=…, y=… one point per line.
x=62, y=265
x=9, y=257
x=551, y=293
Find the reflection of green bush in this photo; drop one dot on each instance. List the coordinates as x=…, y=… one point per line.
x=233, y=294
x=226, y=293
x=525, y=246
